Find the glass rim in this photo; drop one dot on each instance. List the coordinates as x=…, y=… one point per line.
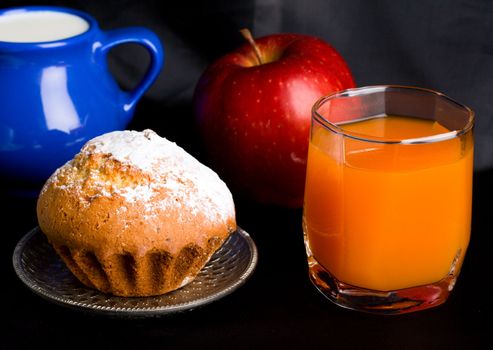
x=381, y=88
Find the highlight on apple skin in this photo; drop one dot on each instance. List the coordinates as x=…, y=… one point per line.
x=253, y=110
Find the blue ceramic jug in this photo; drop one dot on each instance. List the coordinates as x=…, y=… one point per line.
x=57, y=94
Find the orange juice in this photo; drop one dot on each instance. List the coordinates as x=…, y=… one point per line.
x=388, y=216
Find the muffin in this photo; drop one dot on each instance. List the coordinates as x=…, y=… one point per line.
x=133, y=214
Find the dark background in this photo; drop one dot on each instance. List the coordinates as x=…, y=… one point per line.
x=441, y=45
x=444, y=45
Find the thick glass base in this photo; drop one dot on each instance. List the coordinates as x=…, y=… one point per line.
x=379, y=302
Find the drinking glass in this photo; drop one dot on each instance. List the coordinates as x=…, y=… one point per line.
x=388, y=197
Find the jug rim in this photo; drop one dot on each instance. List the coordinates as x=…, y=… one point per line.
x=22, y=46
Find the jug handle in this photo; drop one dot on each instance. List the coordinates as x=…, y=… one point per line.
x=145, y=38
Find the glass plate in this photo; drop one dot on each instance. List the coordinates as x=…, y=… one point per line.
x=39, y=267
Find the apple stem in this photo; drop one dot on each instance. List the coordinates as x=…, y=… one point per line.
x=248, y=37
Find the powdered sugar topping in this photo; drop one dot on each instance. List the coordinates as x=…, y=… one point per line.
x=139, y=149
x=185, y=179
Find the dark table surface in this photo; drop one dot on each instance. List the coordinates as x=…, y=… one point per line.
x=276, y=307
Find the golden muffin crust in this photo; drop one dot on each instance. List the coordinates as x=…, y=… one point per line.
x=133, y=214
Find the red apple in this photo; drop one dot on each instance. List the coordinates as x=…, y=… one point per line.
x=255, y=116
